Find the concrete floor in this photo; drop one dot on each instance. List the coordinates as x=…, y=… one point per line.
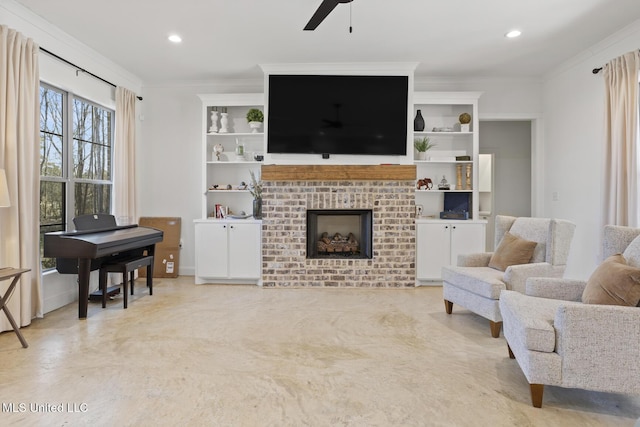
x=220, y=355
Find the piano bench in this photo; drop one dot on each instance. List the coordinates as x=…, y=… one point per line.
x=126, y=267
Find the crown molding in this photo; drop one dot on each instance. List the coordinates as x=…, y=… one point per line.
x=598, y=49
x=61, y=43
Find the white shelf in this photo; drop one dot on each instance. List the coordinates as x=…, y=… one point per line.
x=235, y=134
x=227, y=191
x=233, y=162
x=430, y=133
x=443, y=191
x=462, y=162
x=229, y=169
x=442, y=110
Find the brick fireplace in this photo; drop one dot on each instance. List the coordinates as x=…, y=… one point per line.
x=290, y=190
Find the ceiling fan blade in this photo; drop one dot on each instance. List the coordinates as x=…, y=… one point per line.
x=324, y=9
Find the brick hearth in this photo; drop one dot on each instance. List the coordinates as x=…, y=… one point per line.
x=288, y=191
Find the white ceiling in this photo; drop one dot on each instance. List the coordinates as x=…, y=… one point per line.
x=229, y=38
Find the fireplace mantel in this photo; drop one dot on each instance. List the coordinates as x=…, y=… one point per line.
x=338, y=172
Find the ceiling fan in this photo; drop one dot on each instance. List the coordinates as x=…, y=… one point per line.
x=324, y=9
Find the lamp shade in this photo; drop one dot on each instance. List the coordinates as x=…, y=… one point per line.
x=5, y=201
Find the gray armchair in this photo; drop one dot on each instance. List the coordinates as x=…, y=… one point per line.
x=557, y=340
x=475, y=286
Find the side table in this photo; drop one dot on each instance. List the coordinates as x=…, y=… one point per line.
x=8, y=273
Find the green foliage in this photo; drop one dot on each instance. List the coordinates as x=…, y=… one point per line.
x=423, y=144
x=255, y=188
x=255, y=115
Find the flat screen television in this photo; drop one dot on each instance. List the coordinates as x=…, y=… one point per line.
x=337, y=114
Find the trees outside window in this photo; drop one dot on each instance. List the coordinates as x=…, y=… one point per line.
x=76, y=140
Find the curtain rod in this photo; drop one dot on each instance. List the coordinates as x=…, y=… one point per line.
x=59, y=58
x=596, y=70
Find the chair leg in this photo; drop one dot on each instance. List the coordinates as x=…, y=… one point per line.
x=124, y=288
x=132, y=277
x=448, y=306
x=511, y=355
x=495, y=328
x=536, y=394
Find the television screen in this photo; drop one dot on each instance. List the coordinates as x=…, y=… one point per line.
x=337, y=114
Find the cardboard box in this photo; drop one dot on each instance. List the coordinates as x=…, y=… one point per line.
x=171, y=227
x=166, y=261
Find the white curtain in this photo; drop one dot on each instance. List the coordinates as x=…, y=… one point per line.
x=124, y=159
x=19, y=156
x=620, y=195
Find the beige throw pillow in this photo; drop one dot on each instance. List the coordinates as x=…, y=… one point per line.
x=512, y=250
x=613, y=283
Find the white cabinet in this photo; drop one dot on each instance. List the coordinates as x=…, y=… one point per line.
x=228, y=251
x=440, y=242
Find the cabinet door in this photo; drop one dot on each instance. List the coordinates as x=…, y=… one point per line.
x=245, y=251
x=211, y=250
x=433, y=250
x=466, y=239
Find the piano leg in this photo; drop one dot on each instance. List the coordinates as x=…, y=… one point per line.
x=84, y=270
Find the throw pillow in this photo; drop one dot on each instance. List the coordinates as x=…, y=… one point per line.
x=512, y=250
x=613, y=283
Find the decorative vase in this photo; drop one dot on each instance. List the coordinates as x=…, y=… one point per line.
x=255, y=126
x=418, y=122
x=421, y=155
x=239, y=151
x=257, y=208
x=224, y=123
x=214, y=122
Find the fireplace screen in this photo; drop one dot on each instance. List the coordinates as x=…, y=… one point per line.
x=339, y=233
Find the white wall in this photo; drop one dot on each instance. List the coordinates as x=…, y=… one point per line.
x=573, y=111
x=59, y=290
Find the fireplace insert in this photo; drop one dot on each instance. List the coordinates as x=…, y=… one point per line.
x=339, y=233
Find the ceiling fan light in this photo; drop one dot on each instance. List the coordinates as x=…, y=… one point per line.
x=513, y=34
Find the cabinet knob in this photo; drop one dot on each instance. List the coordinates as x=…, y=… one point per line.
x=231, y=226
x=446, y=227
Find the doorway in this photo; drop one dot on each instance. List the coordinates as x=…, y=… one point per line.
x=508, y=142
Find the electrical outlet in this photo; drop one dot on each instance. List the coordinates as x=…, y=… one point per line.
x=555, y=196
x=418, y=210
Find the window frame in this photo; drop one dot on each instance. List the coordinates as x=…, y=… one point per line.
x=68, y=178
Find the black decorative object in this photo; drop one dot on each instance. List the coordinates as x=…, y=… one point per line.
x=257, y=208
x=418, y=122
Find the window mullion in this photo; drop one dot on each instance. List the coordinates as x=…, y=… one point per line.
x=68, y=156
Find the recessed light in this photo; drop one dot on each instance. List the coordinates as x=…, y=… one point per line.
x=513, y=33
x=175, y=38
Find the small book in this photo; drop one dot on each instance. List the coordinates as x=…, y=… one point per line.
x=462, y=158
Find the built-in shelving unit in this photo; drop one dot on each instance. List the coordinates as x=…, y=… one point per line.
x=441, y=110
x=229, y=169
x=439, y=241
x=228, y=250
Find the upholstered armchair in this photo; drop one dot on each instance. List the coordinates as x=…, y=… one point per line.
x=558, y=340
x=477, y=280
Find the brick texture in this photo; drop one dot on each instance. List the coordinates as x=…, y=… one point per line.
x=284, y=258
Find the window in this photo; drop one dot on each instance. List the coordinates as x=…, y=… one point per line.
x=76, y=139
